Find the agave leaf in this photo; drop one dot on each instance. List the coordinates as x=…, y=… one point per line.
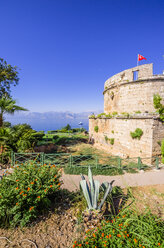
x=104, y=185
x=107, y=191
x=96, y=195
x=92, y=185
x=86, y=193
x=82, y=177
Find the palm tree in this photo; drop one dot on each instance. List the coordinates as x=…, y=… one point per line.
x=8, y=106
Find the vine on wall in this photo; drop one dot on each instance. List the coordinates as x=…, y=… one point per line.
x=158, y=105
x=96, y=129
x=137, y=133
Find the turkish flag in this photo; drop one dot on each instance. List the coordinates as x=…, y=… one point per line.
x=140, y=57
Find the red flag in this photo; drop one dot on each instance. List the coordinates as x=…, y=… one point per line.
x=140, y=57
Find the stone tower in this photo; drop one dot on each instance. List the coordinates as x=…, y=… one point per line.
x=128, y=105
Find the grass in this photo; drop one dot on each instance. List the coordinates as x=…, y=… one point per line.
x=101, y=165
x=95, y=171
x=63, y=138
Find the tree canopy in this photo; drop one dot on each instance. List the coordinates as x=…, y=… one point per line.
x=8, y=77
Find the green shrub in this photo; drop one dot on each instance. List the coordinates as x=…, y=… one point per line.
x=101, y=115
x=137, y=133
x=115, y=113
x=138, y=112
x=112, y=131
x=109, y=115
x=127, y=229
x=125, y=114
x=157, y=105
x=96, y=129
x=112, y=141
x=26, y=193
x=92, y=116
x=52, y=131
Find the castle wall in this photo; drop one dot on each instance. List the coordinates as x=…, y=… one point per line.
x=124, y=145
x=144, y=71
x=133, y=96
x=158, y=136
x=124, y=94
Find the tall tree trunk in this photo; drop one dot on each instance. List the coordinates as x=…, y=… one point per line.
x=1, y=120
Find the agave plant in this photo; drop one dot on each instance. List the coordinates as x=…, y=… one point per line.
x=91, y=191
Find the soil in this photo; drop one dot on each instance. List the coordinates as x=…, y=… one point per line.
x=61, y=227
x=56, y=230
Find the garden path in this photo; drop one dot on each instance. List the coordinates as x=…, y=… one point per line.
x=154, y=177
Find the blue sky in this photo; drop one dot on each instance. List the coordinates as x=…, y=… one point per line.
x=66, y=49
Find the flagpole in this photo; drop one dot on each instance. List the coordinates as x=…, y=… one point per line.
x=137, y=59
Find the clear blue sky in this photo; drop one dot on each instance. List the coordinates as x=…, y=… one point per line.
x=66, y=49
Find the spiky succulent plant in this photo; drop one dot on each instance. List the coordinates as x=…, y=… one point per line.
x=91, y=191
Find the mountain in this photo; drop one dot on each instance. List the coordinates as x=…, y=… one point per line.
x=50, y=120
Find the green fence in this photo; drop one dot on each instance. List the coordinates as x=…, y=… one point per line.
x=75, y=164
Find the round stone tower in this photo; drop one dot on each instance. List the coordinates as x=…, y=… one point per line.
x=132, y=90
x=128, y=105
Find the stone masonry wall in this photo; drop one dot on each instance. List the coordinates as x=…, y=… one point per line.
x=144, y=71
x=158, y=136
x=133, y=96
x=123, y=94
x=120, y=129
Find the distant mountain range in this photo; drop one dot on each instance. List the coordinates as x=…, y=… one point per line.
x=50, y=120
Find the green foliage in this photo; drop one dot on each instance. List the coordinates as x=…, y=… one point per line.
x=159, y=142
x=137, y=133
x=8, y=106
x=112, y=141
x=127, y=229
x=96, y=129
x=101, y=170
x=138, y=112
x=6, y=124
x=92, y=116
x=157, y=101
x=101, y=115
x=26, y=193
x=91, y=193
x=158, y=105
x=108, y=115
x=52, y=131
x=125, y=114
x=76, y=130
x=19, y=138
x=8, y=77
x=66, y=128
x=113, y=131
x=162, y=151
x=112, y=95
x=63, y=138
x=115, y=113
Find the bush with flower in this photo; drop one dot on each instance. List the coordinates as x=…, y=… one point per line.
x=127, y=229
x=27, y=192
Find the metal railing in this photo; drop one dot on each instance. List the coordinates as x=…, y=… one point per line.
x=83, y=161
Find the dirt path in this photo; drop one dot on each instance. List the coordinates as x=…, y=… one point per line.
x=154, y=177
